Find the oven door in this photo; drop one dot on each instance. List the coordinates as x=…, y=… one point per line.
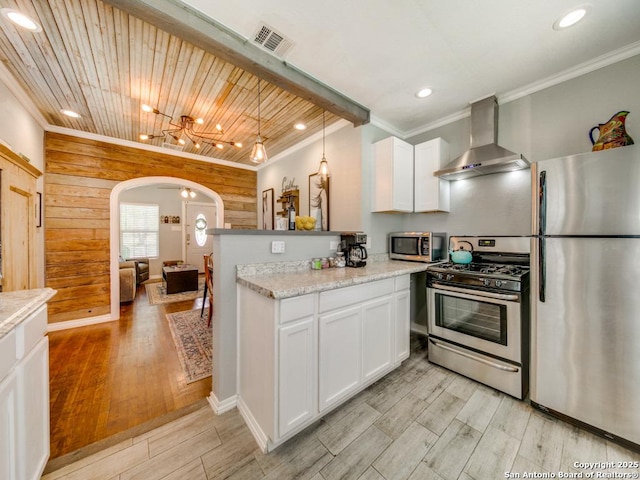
x=484, y=321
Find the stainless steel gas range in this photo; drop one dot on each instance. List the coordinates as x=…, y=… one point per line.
x=479, y=312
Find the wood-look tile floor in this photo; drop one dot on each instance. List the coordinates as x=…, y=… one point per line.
x=420, y=422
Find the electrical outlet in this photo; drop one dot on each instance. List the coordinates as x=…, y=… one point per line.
x=277, y=246
x=333, y=245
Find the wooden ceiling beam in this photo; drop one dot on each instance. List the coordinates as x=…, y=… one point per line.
x=194, y=27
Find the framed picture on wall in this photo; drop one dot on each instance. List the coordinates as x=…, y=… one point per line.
x=319, y=200
x=267, y=209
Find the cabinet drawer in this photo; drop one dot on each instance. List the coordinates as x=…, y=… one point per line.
x=295, y=308
x=342, y=297
x=8, y=354
x=403, y=282
x=29, y=332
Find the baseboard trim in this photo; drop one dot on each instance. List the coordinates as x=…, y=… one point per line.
x=220, y=407
x=260, y=437
x=81, y=322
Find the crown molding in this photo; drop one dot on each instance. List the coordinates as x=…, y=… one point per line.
x=602, y=61
x=378, y=122
x=334, y=127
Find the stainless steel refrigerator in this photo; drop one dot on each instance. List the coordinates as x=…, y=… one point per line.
x=585, y=290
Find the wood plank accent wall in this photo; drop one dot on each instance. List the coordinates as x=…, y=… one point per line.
x=79, y=176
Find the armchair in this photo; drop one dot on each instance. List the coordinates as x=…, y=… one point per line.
x=142, y=269
x=127, y=281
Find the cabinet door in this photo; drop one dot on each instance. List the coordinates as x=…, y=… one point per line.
x=296, y=372
x=33, y=412
x=340, y=344
x=402, y=324
x=392, y=176
x=377, y=336
x=431, y=194
x=8, y=427
x=17, y=239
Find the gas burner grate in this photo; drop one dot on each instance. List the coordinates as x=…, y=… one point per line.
x=483, y=269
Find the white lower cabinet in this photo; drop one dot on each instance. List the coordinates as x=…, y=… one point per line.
x=24, y=399
x=300, y=357
x=33, y=414
x=8, y=426
x=377, y=337
x=296, y=368
x=339, y=354
x=402, y=305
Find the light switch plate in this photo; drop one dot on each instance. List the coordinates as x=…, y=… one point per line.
x=277, y=246
x=333, y=245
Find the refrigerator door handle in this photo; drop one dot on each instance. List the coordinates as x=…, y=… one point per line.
x=542, y=274
x=542, y=228
x=542, y=203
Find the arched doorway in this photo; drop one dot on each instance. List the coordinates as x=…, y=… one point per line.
x=115, y=224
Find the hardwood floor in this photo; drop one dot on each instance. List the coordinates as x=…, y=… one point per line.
x=420, y=422
x=110, y=377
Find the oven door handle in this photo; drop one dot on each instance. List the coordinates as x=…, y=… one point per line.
x=497, y=296
x=474, y=357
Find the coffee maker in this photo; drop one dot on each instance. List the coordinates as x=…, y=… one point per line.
x=353, y=246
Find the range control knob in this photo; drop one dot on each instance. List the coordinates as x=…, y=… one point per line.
x=498, y=283
x=439, y=276
x=450, y=276
x=486, y=282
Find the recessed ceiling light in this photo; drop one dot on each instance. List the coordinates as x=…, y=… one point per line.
x=571, y=18
x=300, y=126
x=70, y=113
x=423, y=92
x=21, y=19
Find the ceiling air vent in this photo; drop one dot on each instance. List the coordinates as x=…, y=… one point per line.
x=172, y=146
x=272, y=41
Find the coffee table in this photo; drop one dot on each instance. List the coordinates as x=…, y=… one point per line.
x=178, y=279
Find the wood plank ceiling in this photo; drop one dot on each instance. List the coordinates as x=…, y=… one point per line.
x=104, y=64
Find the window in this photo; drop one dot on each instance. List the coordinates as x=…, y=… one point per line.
x=200, y=227
x=139, y=230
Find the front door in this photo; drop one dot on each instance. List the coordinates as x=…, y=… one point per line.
x=198, y=218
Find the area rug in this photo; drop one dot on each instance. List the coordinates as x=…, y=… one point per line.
x=193, y=340
x=157, y=294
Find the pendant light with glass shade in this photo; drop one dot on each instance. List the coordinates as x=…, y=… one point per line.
x=258, y=152
x=323, y=170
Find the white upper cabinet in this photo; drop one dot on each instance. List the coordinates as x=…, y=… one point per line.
x=402, y=176
x=431, y=193
x=392, y=188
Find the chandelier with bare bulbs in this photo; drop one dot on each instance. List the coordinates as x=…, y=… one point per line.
x=185, y=127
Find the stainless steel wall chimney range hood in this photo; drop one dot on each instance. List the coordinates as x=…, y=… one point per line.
x=485, y=156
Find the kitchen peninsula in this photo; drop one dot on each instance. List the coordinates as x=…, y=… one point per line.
x=311, y=339
x=334, y=330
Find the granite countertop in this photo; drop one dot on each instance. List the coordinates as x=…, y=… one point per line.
x=15, y=307
x=282, y=282
x=239, y=231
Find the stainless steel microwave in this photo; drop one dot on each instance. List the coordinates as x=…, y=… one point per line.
x=417, y=246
